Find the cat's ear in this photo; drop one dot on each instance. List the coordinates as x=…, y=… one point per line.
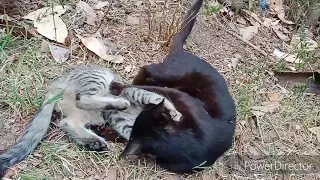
x=133, y=148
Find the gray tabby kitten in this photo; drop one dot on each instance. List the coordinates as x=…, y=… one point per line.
x=85, y=100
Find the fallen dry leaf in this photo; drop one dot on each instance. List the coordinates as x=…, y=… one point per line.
x=49, y=24
x=311, y=79
x=248, y=32
x=101, y=4
x=316, y=131
x=274, y=104
x=99, y=48
x=45, y=12
x=241, y=20
x=277, y=6
x=91, y=15
x=267, y=22
x=60, y=54
x=280, y=34
x=54, y=30
x=132, y=20
x=275, y=23
x=286, y=57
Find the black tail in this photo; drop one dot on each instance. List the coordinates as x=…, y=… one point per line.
x=186, y=27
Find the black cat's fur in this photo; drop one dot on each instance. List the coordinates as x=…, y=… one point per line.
x=200, y=93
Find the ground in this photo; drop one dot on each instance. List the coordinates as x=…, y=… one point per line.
x=26, y=67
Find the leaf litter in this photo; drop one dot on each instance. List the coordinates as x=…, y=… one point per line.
x=48, y=23
x=97, y=46
x=271, y=106
x=89, y=12
x=59, y=54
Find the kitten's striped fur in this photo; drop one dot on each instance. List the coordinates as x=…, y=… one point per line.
x=83, y=88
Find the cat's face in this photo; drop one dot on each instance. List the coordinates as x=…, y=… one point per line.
x=149, y=123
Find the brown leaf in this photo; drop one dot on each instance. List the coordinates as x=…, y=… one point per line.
x=241, y=20
x=277, y=6
x=271, y=106
x=274, y=102
x=311, y=79
x=267, y=22
x=91, y=15
x=60, y=54
x=248, y=32
x=97, y=46
x=48, y=23
x=280, y=34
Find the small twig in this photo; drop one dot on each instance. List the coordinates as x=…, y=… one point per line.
x=54, y=23
x=104, y=16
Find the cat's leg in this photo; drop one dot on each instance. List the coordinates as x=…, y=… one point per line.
x=83, y=137
x=151, y=75
x=122, y=122
x=99, y=103
x=143, y=97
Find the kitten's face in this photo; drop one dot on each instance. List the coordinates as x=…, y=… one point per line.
x=146, y=127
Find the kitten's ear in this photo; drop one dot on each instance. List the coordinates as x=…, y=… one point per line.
x=132, y=148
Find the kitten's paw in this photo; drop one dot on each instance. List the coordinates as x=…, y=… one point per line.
x=176, y=115
x=125, y=104
x=96, y=145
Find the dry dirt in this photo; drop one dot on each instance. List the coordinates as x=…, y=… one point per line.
x=284, y=132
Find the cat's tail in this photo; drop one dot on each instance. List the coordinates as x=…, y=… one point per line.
x=186, y=27
x=34, y=133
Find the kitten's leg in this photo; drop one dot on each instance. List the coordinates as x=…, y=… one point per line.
x=99, y=103
x=143, y=97
x=122, y=123
x=82, y=136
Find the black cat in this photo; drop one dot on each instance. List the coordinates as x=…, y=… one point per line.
x=200, y=93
